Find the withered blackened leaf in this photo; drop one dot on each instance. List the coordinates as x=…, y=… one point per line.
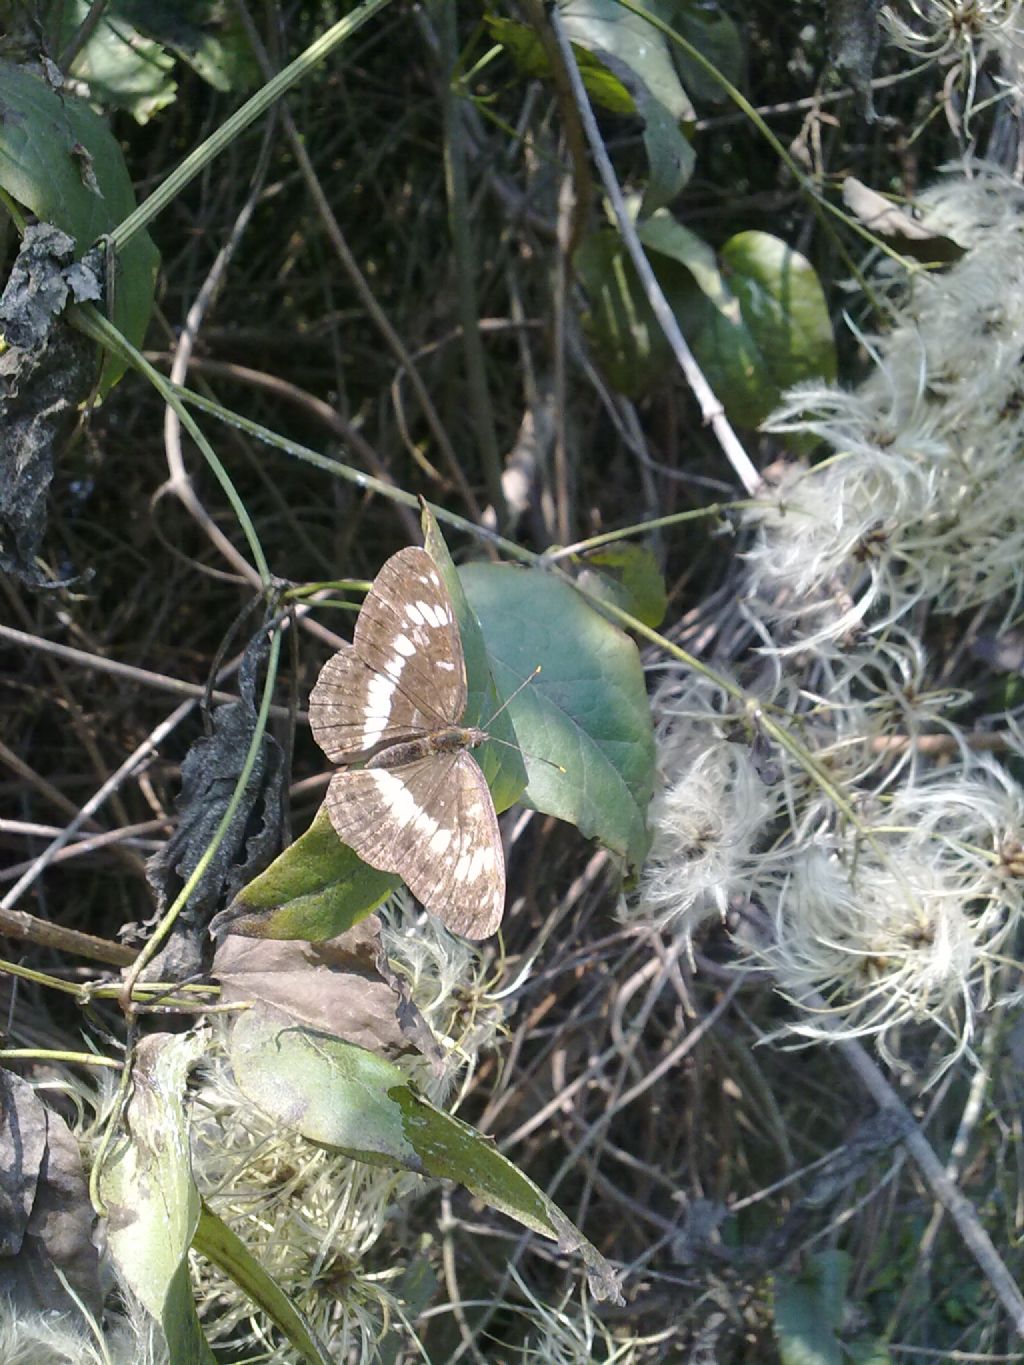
x=40, y=392
x=209, y=775
x=45, y=1216
x=44, y=376
x=42, y=279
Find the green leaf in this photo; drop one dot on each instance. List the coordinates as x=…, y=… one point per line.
x=626, y=67
x=126, y=61
x=219, y=1244
x=715, y=36
x=754, y=314
x=501, y=761
x=809, y=1311
x=150, y=1197
x=587, y=710
x=122, y=69
x=342, y=1096
x=60, y=161
x=529, y=54
x=620, y=324
x=755, y=317
x=635, y=52
x=316, y=889
x=205, y=34
x=628, y=576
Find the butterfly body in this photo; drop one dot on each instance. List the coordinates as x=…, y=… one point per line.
x=393, y=701
x=446, y=741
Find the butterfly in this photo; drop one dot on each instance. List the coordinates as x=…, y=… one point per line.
x=393, y=700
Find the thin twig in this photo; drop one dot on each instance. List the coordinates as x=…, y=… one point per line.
x=711, y=408
x=959, y=1207
x=464, y=253
x=128, y=672
x=315, y=407
x=359, y=281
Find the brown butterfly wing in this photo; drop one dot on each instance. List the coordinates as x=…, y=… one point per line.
x=403, y=675
x=433, y=823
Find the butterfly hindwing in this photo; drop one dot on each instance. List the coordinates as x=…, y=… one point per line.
x=433, y=823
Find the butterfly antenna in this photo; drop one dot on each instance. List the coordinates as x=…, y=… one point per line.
x=493, y=739
x=511, y=697
x=537, y=758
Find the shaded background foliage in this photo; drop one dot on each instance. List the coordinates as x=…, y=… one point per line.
x=677, y=1181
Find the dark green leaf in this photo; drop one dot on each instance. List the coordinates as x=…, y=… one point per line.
x=59, y=160
x=754, y=314
x=619, y=322
x=205, y=34
x=315, y=890
x=586, y=711
x=628, y=576
x=809, y=1310
x=626, y=67
x=636, y=53
x=715, y=36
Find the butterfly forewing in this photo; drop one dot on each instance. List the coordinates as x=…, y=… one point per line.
x=403, y=675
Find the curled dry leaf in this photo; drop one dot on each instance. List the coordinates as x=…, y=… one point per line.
x=335, y=986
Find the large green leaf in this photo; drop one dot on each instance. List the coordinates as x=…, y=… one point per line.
x=60, y=161
x=753, y=313
x=316, y=889
x=627, y=68
x=586, y=711
x=706, y=27
x=126, y=60
x=809, y=1311
x=584, y=723
x=147, y=1188
x=344, y=1097
x=121, y=68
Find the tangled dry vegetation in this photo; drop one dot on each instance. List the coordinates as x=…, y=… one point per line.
x=775, y=1080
